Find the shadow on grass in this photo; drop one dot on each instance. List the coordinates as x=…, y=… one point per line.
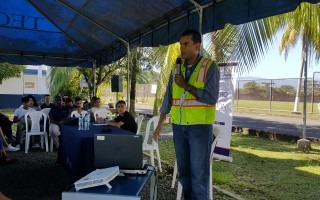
x=262, y=143
x=260, y=173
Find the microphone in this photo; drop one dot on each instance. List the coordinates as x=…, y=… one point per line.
x=178, y=66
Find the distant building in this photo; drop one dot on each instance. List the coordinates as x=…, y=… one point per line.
x=11, y=90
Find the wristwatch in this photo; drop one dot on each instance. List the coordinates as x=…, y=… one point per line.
x=189, y=88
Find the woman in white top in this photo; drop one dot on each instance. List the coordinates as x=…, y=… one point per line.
x=78, y=111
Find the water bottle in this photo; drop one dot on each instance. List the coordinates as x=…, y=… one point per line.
x=86, y=122
x=80, y=123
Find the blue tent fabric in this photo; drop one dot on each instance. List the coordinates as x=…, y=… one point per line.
x=75, y=33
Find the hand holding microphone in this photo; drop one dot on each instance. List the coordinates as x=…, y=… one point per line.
x=178, y=66
x=178, y=77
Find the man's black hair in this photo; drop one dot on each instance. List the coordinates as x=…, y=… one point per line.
x=196, y=36
x=69, y=100
x=121, y=102
x=77, y=99
x=25, y=99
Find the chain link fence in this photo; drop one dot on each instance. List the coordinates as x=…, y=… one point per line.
x=277, y=94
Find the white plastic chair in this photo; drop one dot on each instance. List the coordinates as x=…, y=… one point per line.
x=216, y=133
x=103, y=113
x=139, y=120
x=151, y=147
x=36, y=117
x=46, y=111
x=76, y=114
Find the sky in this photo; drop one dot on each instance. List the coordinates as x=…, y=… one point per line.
x=274, y=65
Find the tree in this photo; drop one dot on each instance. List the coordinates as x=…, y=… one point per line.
x=60, y=77
x=251, y=88
x=304, y=24
x=9, y=71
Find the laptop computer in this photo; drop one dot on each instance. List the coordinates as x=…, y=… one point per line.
x=124, y=151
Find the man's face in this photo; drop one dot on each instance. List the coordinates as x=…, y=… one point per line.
x=122, y=108
x=79, y=104
x=31, y=103
x=59, y=101
x=70, y=104
x=26, y=104
x=47, y=99
x=188, y=49
x=97, y=103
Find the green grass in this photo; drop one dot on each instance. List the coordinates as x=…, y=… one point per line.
x=278, y=108
x=264, y=169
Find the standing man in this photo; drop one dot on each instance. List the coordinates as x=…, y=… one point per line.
x=191, y=95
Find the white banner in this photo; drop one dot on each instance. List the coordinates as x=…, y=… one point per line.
x=224, y=109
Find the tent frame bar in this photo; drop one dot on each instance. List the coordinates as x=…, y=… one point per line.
x=43, y=56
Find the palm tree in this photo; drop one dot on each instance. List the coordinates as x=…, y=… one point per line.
x=304, y=24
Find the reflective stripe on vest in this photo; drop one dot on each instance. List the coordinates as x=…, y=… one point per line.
x=190, y=103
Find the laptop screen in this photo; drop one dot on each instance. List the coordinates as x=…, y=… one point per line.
x=124, y=151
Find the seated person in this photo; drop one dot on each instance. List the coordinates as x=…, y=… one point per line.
x=47, y=102
x=6, y=145
x=35, y=140
x=97, y=106
x=6, y=126
x=33, y=103
x=4, y=159
x=18, y=117
x=57, y=114
x=78, y=111
x=125, y=119
x=88, y=106
x=69, y=103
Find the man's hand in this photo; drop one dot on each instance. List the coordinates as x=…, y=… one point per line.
x=156, y=133
x=179, y=80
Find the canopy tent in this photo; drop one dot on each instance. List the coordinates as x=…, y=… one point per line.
x=76, y=33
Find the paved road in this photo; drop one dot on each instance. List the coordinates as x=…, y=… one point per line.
x=274, y=124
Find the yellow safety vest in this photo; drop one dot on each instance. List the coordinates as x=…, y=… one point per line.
x=190, y=111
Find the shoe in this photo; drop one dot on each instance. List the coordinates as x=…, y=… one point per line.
x=11, y=148
x=36, y=145
x=18, y=146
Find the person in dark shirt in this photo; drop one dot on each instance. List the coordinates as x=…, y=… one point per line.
x=47, y=102
x=125, y=119
x=57, y=114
